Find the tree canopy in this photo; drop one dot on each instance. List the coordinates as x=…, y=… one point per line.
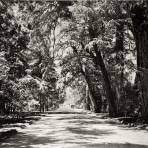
x=96, y=47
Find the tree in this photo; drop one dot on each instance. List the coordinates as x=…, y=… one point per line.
x=78, y=70
x=139, y=20
x=13, y=44
x=41, y=46
x=86, y=33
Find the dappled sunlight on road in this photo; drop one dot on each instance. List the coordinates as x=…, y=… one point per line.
x=76, y=131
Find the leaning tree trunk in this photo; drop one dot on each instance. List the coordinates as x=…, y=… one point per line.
x=109, y=91
x=140, y=31
x=93, y=99
x=98, y=61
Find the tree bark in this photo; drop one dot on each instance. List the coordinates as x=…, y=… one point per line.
x=140, y=31
x=87, y=102
x=120, y=58
x=98, y=60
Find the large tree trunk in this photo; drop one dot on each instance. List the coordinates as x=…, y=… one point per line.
x=120, y=58
x=96, y=102
x=140, y=25
x=109, y=91
x=98, y=61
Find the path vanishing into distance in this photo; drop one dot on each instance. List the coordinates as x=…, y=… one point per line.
x=76, y=130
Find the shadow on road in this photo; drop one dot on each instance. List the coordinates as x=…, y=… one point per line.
x=26, y=141
x=92, y=132
x=22, y=140
x=111, y=145
x=68, y=131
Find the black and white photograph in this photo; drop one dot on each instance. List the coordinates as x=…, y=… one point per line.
x=73, y=73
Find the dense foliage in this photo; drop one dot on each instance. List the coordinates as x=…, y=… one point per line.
x=26, y=82
x=97, y=47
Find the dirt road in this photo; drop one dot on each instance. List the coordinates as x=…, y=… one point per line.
x=76, y=130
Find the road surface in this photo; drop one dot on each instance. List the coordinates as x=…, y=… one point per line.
x=75, y=130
